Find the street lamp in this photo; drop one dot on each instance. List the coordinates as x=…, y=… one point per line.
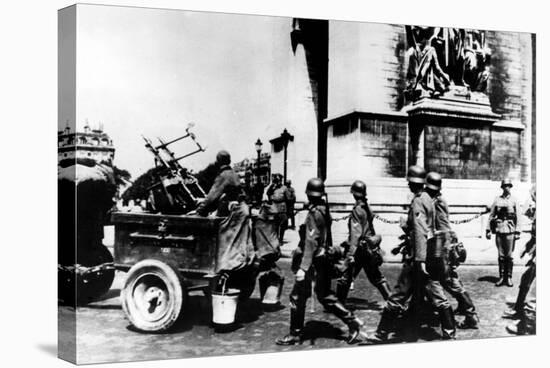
x=285, y=138
x=259, y=187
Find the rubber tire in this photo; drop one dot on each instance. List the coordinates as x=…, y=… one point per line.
x=175, y=292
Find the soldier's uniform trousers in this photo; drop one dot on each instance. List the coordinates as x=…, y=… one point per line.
x=321, y=271
x=412, y=287
x=525, y=285
x=505, y=244
x=362, y=262
x=454, y=286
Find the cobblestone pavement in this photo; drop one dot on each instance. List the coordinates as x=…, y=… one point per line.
x=105, y=335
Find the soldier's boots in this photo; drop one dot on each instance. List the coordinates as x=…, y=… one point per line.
x=297, y=315
x=509, y=269
x=292, y=338
x=342, y=290
x=519, y=328
x=354, y=327
x=384, y=289
x=501, y=272
x=466, y=305
x=470, y=322
x=511, y=313
x=384, y=327
x=448, y=324
x=518, y=310
x=379, y=337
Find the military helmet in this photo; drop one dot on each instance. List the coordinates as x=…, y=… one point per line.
x=433, y=181
x=416, y=174
x=315, y=187
x=223, y=158
x=359, y=188
x=506, y=183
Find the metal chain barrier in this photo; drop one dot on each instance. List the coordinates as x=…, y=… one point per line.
x=395, y=222
x=464, y=221
x=386, y=221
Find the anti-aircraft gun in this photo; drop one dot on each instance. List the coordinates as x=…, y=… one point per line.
x=176, y=190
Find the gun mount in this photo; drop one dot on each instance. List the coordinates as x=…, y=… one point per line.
x=176, y=190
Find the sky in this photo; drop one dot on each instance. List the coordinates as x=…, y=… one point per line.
x=151, y=72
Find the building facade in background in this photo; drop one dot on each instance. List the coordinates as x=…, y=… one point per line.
x=92, y=144
x=368, y=128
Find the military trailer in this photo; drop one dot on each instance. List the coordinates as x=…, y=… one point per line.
x=169, y=251
x=165, y=257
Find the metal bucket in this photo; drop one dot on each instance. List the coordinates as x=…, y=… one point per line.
x=224, y=306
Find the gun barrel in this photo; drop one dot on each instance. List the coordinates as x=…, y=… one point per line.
x=165, y=144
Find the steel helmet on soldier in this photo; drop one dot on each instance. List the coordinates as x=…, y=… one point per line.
x=416, y=174
x=359, y=188
x=433, y=181
x=223, y=158
x=315, y=187
x=506, y=183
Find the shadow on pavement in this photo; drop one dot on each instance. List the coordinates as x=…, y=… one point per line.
x=321, y=329
x=491, y=279
x=249, y=311
x=113, y=293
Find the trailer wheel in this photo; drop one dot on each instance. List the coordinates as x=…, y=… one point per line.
x=153, y=296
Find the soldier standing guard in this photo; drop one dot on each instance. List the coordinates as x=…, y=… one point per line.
x=451, y=282
x=362, y=246
x=504, y=223
x=277, y=194
x=414, y=280
x=291, y=202
x=311, y=262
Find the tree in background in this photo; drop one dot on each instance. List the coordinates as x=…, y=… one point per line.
x=139, y=188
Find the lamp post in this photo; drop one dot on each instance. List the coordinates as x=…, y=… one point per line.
x=285, y=137
x=259, y=187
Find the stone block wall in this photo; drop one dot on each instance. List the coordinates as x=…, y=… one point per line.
x=457, y=152
x=383, y=146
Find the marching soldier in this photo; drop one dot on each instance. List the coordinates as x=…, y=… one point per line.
x=451, y=282
x=504, y=223
x=310, y=262
x=519, y=310
x=414, y=280
x=363, y=246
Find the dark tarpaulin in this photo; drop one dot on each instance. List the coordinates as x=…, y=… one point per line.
x=236, y=250
x=266, y=235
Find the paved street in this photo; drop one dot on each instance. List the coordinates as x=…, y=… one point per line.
x=105, y=335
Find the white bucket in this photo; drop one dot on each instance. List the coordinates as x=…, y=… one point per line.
x=224, y=306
